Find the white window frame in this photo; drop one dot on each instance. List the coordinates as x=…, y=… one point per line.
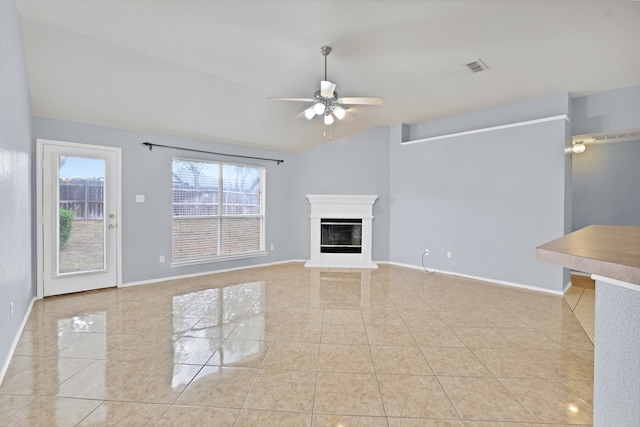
x=220, y=216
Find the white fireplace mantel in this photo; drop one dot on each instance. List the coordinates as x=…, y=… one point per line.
x=341, y=206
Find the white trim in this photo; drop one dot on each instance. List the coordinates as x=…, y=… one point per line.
x=484, y=279
x=364, y=202
x=398, y=264
x=567, y=287
x=203, y=273
x=580, y=273
x=40, y=142
x=358, y=265
x=341, y=206
x=616, y=282
x=118, y=179
x=489, y=129
x=16, y=340
x=39, y=224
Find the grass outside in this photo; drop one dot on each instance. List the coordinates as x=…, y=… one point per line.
x=85, y=249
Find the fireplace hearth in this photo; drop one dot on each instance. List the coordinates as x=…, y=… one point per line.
x=341, y=231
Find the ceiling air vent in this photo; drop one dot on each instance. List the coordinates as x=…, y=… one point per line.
x=477, y=66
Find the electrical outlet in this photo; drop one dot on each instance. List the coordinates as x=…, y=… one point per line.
x=449, y=255
x=426, y=252
x=11, y=309
x=272, y=247
x=161, y=258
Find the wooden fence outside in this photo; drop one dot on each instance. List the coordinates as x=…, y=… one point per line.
x=84, y=197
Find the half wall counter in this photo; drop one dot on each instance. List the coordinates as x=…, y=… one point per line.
x=611, y=254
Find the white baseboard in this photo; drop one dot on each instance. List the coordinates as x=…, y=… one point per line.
x=567, y=287
x=5, y=366
x=204, y=273
x=484, y=279
x=413, y=267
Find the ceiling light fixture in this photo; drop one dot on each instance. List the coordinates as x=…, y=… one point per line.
x=578, y=148
x=326, y=103
x=328, y=118
x=339, y=112
x=319, y=108
x=309, y=113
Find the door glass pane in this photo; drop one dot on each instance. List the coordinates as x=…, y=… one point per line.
x=81, y=222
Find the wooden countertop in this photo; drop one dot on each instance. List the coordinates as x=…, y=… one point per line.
x=606, y=250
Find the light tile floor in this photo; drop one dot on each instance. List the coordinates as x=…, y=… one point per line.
x=581, y=297
x=289, y=346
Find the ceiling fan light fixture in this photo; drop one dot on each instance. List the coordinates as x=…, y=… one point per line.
x=328, y=119
x=309, y=113
x=326, y=102
x=319, y=108
x=339, y=112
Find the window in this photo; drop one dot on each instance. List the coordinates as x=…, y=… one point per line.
x=211, y=224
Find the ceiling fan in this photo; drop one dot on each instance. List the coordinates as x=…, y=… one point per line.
x=326, y=102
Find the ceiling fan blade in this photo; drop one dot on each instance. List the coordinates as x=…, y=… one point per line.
x=272, y=98
x=354, y=100
x=327, y=88
x=299, y=116
x=349, y=116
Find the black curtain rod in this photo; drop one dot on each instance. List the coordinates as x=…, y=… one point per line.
x=151, y=145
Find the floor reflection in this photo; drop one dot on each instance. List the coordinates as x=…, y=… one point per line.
x=347, y=288
x=287, y=345
x=222, y=310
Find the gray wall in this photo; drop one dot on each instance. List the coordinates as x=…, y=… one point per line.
x=16, y=151
x=146, y=227
x=354, y=165
x=608, y=111
x=357, y=164
x=606, y=177
x=606, y=185
x=489, y=198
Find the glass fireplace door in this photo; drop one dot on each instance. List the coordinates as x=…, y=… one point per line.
x=341, y=236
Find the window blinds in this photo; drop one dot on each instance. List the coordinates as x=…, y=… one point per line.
x=218, y=210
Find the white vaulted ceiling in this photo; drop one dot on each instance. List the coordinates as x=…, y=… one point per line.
x=205, y=69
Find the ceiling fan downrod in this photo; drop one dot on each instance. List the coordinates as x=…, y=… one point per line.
x=325, y=50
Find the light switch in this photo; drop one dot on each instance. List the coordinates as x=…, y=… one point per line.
x=139, y=198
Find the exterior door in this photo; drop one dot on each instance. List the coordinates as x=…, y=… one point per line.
x=79, y=193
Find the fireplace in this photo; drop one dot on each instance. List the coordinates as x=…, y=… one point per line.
x=341, y=231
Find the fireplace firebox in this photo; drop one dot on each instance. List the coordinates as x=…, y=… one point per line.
x=340, y=236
